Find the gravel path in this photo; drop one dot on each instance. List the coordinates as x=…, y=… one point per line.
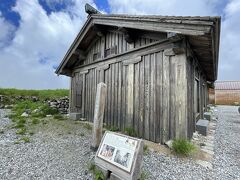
x=62, y=152
x=226, y=162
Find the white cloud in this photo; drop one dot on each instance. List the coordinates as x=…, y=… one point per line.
x=162, y=7
x=28, y=53
x=229, y=47
x=39, y=43
x=6, y=31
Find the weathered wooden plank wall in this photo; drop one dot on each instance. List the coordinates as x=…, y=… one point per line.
x=146, y=93
x=194, y=71
x=152, y=92
x=115, y=39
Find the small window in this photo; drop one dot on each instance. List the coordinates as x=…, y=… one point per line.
x=196, y=97
x=96, y=56
x=111, y=51
x=78, y=95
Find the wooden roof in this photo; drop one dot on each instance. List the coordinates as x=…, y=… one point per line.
x=203, y=34
x=227, y=85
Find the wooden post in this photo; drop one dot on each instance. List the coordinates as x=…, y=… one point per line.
x=98, y=115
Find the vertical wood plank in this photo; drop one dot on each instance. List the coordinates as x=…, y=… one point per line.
x=165, y=98
x=141, y=97
x=116, y=94
x=152, y=98
x=136, y=98
x=112, y=95
x=147, y=99
x=123, y=98
x=130, y=89
x=119, y=94
x=83, y=95
x=158, y=98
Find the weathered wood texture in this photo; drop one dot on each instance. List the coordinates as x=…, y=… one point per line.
x=197, y=92
x=114, y=43
x=157, y=93
x=98, y=114
x=147, y=93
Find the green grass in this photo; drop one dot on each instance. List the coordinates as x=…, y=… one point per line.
x=143, y=175
x=145, y=149
x=21, y=131
x=183, y=147
x=22, y=106
x=91, y=167
x=35, y=121
x=41, y=94
x=17, y=142
x=130, y=131
x=97, y=173
x=25, y=139
x=113, y=128
x=45, y=109
x=87, y=126
x=19, y=122
x=58, y=117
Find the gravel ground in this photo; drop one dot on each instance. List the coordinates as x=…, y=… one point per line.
x=61, y=151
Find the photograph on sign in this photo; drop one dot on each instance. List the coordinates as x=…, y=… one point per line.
x=107, y=151
x=122, y=158
x=118, y=150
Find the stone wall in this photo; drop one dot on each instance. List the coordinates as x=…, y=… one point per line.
x=62, y=104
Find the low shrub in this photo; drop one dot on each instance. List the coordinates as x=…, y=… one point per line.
x=58, y=117
x=130, y=131
x=145, y=149
x=183, y=147
x=97, y=173
x=46, y=110
x=113, y=128
x=87, y=126
x=23, y=106
x=143, y=175
x=21, y=131
x=35, y=121
x=25, y=139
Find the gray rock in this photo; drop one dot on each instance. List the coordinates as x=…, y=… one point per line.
x=36, y=111
x=169, y=144
x=24, y=114
x=202, y=126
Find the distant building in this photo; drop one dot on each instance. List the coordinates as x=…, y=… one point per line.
x=227, y=92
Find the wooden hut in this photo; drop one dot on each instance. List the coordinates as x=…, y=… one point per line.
x=157, y=70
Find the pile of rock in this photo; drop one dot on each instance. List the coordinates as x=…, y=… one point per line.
x=30, y=98
x=61, y=104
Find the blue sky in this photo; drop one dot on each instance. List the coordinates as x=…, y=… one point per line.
x=35, y=34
